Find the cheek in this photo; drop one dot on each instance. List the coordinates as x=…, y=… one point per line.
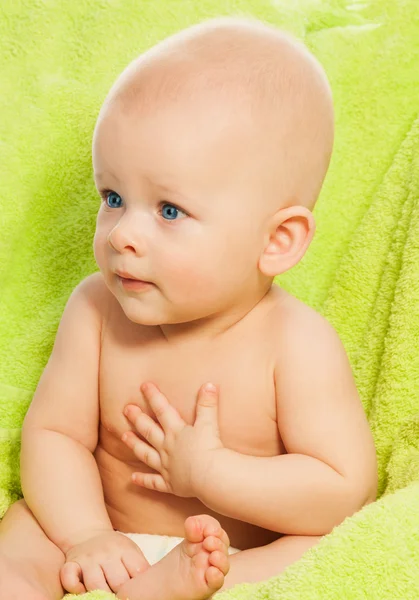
x=99, y=247
x=191, y=274
x=184, y=269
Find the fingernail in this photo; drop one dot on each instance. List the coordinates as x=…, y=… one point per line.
x=210, y=387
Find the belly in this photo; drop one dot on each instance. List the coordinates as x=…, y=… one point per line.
x=133, y=509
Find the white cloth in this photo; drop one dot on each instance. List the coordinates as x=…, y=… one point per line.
x=155, y=547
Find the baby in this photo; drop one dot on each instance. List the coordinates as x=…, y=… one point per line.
x=209, y=154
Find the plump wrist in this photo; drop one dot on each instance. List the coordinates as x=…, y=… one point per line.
x=83, y=535
x=205, y=473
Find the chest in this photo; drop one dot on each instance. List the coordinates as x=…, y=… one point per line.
x=247, y=414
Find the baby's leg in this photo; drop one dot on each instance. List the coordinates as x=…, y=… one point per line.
x=193, y=570
x=29, y=562
x=258, y=564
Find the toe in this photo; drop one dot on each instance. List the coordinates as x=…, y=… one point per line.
x=194, y=529
x=200, y=526
x=211, y=526
x=212, y=543
x=220, y=560
x=214, y=578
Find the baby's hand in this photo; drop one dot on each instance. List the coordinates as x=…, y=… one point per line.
x=103, y=562
x=180, y=453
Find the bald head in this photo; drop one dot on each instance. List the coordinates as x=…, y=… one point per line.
x=254, y=75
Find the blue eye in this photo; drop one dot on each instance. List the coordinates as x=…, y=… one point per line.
x=171, y=212
x=113, y=200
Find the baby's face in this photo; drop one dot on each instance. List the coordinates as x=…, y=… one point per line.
x=177, y=211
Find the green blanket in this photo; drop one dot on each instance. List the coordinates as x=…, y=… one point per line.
x=57, y=62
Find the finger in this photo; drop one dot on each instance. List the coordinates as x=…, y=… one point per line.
x=207, y=405
x=148, y=455
x=144, y=424
x=115, y=573
x=94, y=578
x=151, y=482
x=135, y=562
x=70, y=577
x=166, y=414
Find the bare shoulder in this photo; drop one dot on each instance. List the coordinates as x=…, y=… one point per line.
x=93, y=292
x=300, y=329
x=107, y=312
x=94, y=289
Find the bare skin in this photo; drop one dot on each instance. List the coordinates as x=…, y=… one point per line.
x=36, y=575
x=208, y=234
x=29, y=570
x=191, y=571
x=135, y=509
x=132, y=508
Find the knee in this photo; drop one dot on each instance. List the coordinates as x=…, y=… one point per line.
x=19, y=507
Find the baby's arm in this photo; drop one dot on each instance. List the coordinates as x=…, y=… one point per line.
x=60, y=478
x=330, y=470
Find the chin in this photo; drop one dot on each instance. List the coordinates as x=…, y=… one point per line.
x=141, y=317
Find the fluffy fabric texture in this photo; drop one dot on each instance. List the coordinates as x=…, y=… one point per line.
x=57, y=62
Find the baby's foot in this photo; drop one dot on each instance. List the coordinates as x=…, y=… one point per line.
x=193, y=570
x=202, y=558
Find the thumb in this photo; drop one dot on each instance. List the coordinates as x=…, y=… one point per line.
x=70, y=577
x=207, y=405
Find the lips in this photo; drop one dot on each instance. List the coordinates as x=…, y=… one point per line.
x=125, y=275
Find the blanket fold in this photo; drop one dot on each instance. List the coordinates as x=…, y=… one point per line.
x=361, y=271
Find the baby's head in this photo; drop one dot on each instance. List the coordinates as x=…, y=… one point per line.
x=210, y=151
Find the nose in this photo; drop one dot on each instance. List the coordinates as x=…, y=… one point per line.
x=122, y=238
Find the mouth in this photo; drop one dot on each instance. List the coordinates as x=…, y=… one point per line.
x=129, y=282
x=127, y=276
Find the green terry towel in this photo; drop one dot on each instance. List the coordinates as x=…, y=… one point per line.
x=57, y=62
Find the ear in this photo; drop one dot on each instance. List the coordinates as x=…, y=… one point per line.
x=290, y=232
